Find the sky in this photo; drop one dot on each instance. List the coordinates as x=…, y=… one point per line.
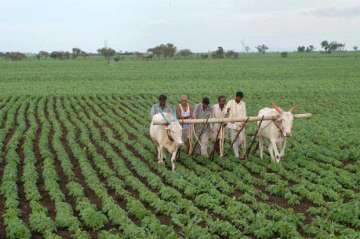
x=199, y=25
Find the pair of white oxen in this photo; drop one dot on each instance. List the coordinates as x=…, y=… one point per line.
x=169, y=136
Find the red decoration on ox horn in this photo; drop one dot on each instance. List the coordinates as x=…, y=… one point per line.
x=277, y=108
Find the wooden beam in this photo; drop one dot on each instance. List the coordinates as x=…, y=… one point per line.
x=228, y=120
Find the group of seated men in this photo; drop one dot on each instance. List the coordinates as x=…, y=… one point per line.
x=205, y=132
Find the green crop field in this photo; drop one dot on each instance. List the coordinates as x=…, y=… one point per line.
x=77, y=162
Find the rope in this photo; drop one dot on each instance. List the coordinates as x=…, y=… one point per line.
x=165, y=118
x=195, y=136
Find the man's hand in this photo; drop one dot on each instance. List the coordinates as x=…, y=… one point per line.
x=239, y=126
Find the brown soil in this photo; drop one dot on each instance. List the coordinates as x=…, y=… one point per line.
x=5, y=113
x=164, y=219
x=64, y=180
x=135, y=152
x=77, y=170
x=3, y=154
x=120, y=201
x=2, y=210
x=302, y=208
x=64, y=234
x=3, y=104
x=237, y=194
x=45, y=197
x=25, y=209
x=347, y=162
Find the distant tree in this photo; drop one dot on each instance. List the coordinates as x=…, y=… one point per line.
x=336, y=46
x=66, y=55
x=325, y=45
x=139, y=55
x=107, y=52
x=75, y=52
x=42, y=54
x=184, y=53
x=301, y=49
x=57, y=55
x=310, y=48
x=2, y=54
x=117, y=58
x=54, y=55
x=247, y=49
x=262, y=48
x=155, y=51
x=232, y=54
x=284, y=54
x=61, y=55
x=15, y=56
x=204, y=55
x=169, y=50
x=148, y=56
x=355, y=48
x=219, y=53
x=163, y=50
x=84, y=54
x=332, y=46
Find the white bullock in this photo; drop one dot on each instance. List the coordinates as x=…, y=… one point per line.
x=276, y=131
x=166, y=136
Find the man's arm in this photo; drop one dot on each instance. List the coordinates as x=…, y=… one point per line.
x=227, y=108
x=213, y=113
x=178, y=112
x=195, y=114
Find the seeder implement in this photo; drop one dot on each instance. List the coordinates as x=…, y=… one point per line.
x=232, y=120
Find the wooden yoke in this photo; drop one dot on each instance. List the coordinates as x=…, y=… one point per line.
x=231, y=120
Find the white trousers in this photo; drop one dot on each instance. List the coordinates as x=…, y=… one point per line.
x=202, y=148
x=240, y=141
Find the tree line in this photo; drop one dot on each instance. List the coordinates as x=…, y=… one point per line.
x=328, y=47
x=169, y=50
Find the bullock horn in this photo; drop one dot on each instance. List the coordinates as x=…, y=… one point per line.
x=294, y=108
x=276, y=107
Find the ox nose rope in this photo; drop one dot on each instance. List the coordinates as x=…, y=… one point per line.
x=280, y=128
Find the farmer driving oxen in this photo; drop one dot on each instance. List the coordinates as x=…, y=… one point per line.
x=184, y=111
x=167, y=136
x=274, y=124
x=203, y=111
x=162, y=106
x=218, y=129
x=237, y=109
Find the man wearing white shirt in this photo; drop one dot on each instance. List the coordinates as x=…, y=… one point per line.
x=237, y=109
x=218, y=130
